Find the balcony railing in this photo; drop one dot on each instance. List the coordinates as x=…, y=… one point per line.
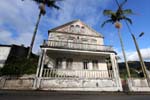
x=59, y=73
x=76, y=46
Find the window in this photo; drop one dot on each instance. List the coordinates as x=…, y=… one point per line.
x=69, y=63
x=83, y=29
x=77, y=28
x=72, y=28
x=58, y=63
x=95, y=64
x=93, y=41
x=85, y=64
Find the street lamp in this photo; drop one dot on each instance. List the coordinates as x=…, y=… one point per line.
x=140, y=56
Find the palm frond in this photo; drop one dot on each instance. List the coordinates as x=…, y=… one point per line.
x=126, y=18
x=127, y=11
x=108, y=12
x=107, y=21
x=121, y=5
x=49, y=3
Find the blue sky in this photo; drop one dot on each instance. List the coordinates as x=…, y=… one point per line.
x=17, y=21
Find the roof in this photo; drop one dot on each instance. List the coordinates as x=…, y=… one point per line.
x=72, y=22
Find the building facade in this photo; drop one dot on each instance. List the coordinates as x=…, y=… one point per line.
x=75, y=58
x=4, y=52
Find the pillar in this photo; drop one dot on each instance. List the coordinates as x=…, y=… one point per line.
x=115, y=71
x=38, y=70
x=41, y=68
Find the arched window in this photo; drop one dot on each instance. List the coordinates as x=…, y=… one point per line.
x=83, y=29
x=77, y=28
x=72, y=28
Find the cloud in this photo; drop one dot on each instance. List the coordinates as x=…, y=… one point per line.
x=17, y=18
x=17, y=22
x=133, y=56
x=87, y=10
x=6, y=37
x=21, y=16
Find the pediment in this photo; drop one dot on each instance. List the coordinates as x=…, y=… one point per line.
x=76, y=27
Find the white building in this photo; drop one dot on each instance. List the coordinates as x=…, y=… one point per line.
x=8, y=51
x=75, y=58
x=4, y=52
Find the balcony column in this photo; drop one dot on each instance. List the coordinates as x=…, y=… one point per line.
x=64, y=64
x=38, y=70
x=115, y=70
x=41, y=68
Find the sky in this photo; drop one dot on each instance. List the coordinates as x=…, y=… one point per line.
x=17, y=23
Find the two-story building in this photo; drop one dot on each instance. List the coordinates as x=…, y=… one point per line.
x=75, y=58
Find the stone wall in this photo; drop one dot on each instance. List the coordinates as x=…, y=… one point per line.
x=79, y=84
x=16, y=83
x=138, y=85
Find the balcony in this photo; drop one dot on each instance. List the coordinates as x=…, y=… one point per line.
x=76, y=46
x=60, y=73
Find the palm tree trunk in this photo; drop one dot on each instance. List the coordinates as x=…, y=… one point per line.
x=34, y=34
x=124, y=55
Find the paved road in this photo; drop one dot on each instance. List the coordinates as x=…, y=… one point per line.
x=40, y=95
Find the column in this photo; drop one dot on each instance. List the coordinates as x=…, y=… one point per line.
x=113, y=65
x=115, y=71
x=41, y=70
x=42, y=63
x=38, y=70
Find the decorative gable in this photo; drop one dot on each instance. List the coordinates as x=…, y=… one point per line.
x=76, y=27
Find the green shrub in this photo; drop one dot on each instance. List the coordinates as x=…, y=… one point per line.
x=16, y=66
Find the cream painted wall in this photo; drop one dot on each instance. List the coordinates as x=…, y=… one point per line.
x=78, y=61
x=65, y=37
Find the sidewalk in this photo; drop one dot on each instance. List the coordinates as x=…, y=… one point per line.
x=45, y=92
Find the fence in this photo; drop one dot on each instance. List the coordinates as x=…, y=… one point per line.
x=77, y=73
x=75, y=45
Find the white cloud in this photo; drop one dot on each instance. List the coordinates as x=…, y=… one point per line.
x=6, y=37
x=17, y=18
x=133, y=56
x=17, y=22
x=87, y=10
x=21, y=16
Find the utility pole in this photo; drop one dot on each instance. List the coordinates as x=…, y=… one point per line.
x=141, y=59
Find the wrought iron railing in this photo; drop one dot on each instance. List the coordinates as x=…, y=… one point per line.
x=75, y=45
x=59, y=73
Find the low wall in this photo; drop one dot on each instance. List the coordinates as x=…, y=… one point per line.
x=64, y=84
x=16, y=83
x=79, y=84
x=138, y=85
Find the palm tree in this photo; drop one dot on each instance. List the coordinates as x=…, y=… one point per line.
x=115, y=18
x=42, y=4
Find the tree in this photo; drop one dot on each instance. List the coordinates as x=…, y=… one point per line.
x=42, y=4
x=115, y=17
x=18, y=66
